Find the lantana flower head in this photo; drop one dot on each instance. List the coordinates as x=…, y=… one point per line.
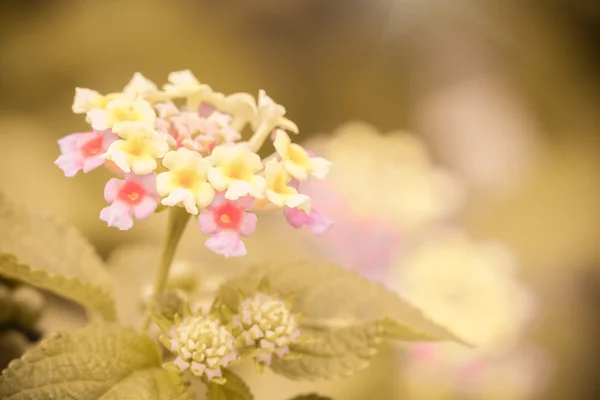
x=201, y=343
x=181, y=147
x=265, y=322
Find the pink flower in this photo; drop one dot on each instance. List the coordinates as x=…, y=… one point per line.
x=82, y=151
x=314, y=220
x=365, y=245
x=205, y=109
x=226, y=220
x=133, y=196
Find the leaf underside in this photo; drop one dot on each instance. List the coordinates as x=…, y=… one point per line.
x=48, y=253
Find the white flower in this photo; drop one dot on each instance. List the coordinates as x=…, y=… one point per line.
x=279, y=191
x=121, y=110
x=296, y=161
x=141, y=85
x=186, y=181
x=85, y=100
x=272, y=115
x=138, y=149
x=235, y=169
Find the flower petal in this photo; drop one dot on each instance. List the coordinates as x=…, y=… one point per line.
x=248, y=224
x=206, y=222
x=117, y=215
x=295, y=217
x=145, y=208
x=112, y=188
x=318, y=223
x=227, y=243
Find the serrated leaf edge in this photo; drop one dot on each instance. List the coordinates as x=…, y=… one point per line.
x=91, y=296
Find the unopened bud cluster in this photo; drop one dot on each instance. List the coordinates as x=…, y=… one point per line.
x=266, y=322
x=263, y=326
x=202, y=345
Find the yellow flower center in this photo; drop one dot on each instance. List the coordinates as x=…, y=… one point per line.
x=135, y=147
x=127, y=113
x=186, y=179
x=298, y=155
x=225, y=219
x=237, y=170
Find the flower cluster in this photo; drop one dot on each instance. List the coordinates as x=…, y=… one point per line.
x=265, y=322
x=181, y=147
x=262, y=326
x=202, y=345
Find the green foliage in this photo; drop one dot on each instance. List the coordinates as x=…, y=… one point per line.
x=52, y=255
x=346, y=317
x=233, y=389
x=331, y=353
x=98, y=362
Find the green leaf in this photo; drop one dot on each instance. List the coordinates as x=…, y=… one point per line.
x=346, y=317
x=311, y=396
x=233, y=389
x=331, y=353
x=98, y=362
x=48, y=253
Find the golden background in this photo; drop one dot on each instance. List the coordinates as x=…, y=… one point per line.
x=426, y=66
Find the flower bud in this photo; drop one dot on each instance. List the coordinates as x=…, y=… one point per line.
x=201, y=344
x=266, y=322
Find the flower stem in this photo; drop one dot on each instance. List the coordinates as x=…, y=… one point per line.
x=178, y=218
x=259, y=137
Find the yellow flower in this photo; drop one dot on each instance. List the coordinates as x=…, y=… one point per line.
x=186, y=181
x=120, y=110
x=279, y=193
x=138, y=148
x=235, y=169
x=468, y=287
x=296, y=161
x=415, y=193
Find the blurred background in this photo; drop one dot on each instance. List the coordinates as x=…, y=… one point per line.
x=504, y=95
